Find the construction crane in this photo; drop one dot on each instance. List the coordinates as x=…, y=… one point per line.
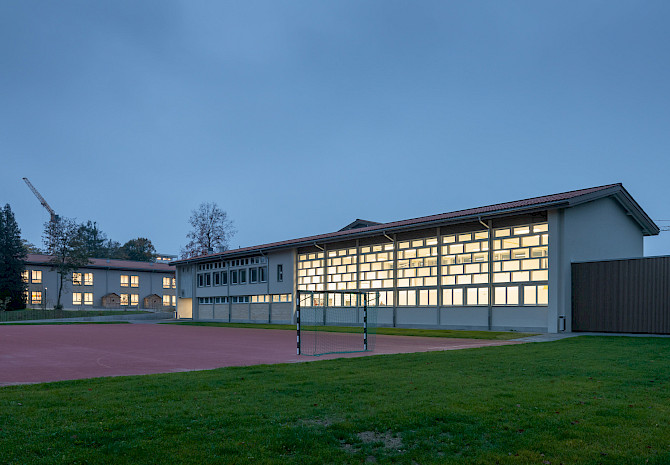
x=44, y=203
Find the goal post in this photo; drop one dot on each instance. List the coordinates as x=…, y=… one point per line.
x=335, y=321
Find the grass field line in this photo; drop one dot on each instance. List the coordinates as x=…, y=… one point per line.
x=450, y=333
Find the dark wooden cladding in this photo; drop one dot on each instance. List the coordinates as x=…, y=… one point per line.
x=627, y=296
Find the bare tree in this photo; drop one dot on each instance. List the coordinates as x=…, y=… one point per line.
x=212, y=230
x=62, y=241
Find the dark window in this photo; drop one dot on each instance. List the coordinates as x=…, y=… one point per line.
x=253, y=275
x=224, y=278
x=208, y=279
x=217, y=279
x=233, y=277
x=280, y=272
x=243, y=276
x=263, y=274
x=201, y=280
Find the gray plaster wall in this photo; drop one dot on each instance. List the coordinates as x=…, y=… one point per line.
x=185, y=277
x=286, y=259
x=596, y=230
x=105, y=281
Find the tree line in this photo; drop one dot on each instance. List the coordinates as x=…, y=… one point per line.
x=71, y=245
x=94, y=243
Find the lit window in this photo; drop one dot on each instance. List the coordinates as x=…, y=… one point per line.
x=529, y=295
x=174, y=300
x=25, y=276
x=174, y=283
x=407, y=298
x=134, y=299
x=36, y=276
x=543, y=295
x=166, y=283
x=452, y=297
x=506, y=295
x=76, y=298
x=88, y=298
x=36, y=297
x=124, y=299
x=76, y=279
x=134, y=281
x=124, y=283
x=166, y=300
x=88, y=279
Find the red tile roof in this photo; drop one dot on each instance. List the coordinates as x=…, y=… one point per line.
x=38, y=259
x=533, y=203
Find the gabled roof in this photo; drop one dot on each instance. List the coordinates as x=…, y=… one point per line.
x=533, y=204
x=359, y=223
x=38, y=259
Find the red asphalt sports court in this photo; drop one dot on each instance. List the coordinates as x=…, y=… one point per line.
x=44, y=353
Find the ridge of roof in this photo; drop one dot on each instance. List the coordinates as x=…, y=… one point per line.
x=498, y=208
x=42, y=259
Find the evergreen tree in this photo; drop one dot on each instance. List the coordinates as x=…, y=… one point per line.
x=92, y=240
x=112, y=249
x=31, y=248
x=12, y=262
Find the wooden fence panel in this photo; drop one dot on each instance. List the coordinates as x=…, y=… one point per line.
x=627, y=296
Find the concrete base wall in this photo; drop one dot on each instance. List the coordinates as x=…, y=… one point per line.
x=468, y=318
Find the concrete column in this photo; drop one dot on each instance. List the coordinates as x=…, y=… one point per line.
x=557, y=284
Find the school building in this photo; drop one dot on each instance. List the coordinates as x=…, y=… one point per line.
x=500, y=267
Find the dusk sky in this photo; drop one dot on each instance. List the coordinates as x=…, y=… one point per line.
x=297, y=117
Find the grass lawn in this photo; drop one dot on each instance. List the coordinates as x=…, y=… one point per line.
x=585, y=400
x=494, y=335
x=38, y=314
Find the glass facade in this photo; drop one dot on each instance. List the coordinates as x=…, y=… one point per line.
x=508, y=265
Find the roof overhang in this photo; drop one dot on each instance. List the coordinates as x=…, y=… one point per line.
x=497, y=211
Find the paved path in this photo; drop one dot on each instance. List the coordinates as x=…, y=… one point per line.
x=35, y=354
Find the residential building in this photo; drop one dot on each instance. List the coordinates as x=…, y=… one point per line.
x=103, y=283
